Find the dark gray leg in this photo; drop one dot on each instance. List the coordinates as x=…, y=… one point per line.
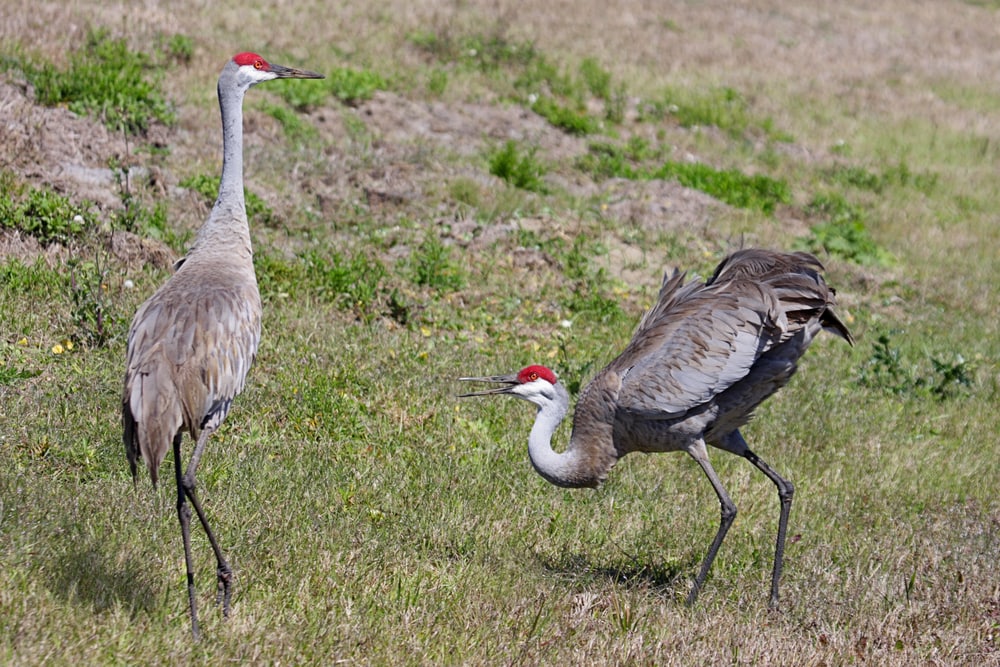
x=184, y=515
x=224, y=573
x=736, y=444
x=700, y=454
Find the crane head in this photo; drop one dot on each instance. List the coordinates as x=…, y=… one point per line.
x=255, y=69
x=532, y=383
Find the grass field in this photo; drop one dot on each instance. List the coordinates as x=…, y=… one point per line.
x=478, y=186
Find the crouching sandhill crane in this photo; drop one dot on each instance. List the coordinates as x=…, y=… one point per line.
x=701, y=360
x=191, y=344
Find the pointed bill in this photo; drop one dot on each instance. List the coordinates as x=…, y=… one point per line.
x=293, y=73
x=509, y=381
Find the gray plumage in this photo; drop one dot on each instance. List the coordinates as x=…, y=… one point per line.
x=192, y=343
x=700, y=362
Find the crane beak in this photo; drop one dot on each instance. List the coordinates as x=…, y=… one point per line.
x=283, y=72
x=509, y=382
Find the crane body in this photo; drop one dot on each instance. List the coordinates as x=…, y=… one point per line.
x=702, y=359
x=193, y=341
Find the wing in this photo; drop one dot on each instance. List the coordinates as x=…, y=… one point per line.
x=697, y=341
x=189, y=351
x=759, y=263
x=789, y=271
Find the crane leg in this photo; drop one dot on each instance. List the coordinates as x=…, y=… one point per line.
x=785, y=492
x=224, y=573
x=736, y=444
x=700, y=454
x=184, y=515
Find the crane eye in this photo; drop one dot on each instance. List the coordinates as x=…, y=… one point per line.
x=258, y=64
x=533, y=376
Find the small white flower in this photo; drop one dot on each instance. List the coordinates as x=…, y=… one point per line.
x=78, y=219
x=532, y=98
x=472, y=53
x=566, y=324
x=128, y=284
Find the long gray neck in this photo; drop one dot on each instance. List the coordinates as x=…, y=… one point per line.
x=226, y=233
x=591, y=452
x=555, y=467
x=231, y=105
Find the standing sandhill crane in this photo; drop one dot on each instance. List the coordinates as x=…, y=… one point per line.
x=701, y=360
x=191, y=343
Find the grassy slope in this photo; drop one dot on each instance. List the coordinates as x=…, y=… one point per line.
x=371, y=517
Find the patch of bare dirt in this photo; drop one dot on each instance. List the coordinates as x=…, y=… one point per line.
x=467, y=129
x=658, y=205
x=55, y=147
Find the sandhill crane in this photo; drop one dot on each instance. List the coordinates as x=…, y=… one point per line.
x=701, y=360
x=191, y=343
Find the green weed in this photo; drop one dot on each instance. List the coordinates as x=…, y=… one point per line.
x=758, y=192
x=605, y=159
x=10, y=375
x=596, y=79
x=437, y=82
x=104, y=79
x=886, y=370
x=298, y=131
x=46, y=215
x=632, y=161
x=35, y=280
x=96, y=313
x=898, y=175
x=589, y=296
x=352, y=86
x=180, y=49
x=432, y=266
x=520, y=169
x=353, y=283
x=570, y=119
x=136, y=218
x=722, y=107
x=843, y=233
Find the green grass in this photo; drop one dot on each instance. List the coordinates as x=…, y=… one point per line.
x=370, y=515
x=637, y=160
x=107, y=79
x=517, y=166
x=843, y=233
x=39, y=212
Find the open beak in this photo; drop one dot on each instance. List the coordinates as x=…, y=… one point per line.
x=508, y=382
x=293, y=73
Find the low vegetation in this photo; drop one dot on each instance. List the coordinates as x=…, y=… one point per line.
x=105, y=78
x=408, y=238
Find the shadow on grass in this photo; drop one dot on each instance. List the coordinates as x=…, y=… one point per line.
x=86, y=571
x=669, y=579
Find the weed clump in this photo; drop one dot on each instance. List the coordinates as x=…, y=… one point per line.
x=518, y=168
x=41, y=213
x=843, y=233
x=104, y=79
x=886, y=370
